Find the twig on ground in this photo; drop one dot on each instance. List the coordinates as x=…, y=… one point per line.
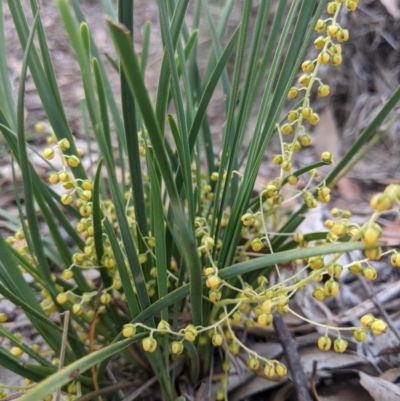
x=105, y=390
x=299, y=377
x=312, y=382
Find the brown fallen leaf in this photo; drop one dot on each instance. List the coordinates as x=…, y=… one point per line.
x=380, y=389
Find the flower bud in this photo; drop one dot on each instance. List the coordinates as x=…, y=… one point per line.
x=395, y=259
x=324, y=90
x=77, y=309
x=323, y=58
x=190, y=333
x=61, y=298
x=320, y=26
x=332, y=7
x=16, y=351
x=367, y=320
x=373, y=253
x=213, y=282
x=277, y=159
x=269, y=370
x=214, y=295
x=381, y=202
x=319, y=43
x=370, y=273
x=332, y=30
x=339, y=228
x=253, y=363
x=3, y=317
x=379, y=327
x=371, y=234
x=73, y=161
x=149, y=344
x=64, y=144
x=293, y=93
x=234, y=348
x=256, y=245
x=281, y=369
x=324, y=343
x=360, y=335
x=313, y=119
x=48, y=153
x=319, y=294
x=355, y=268
x=316, y=262
x=305, y=140
x=307, y=66
x=331, y=288
x=327, y=157
x=177, y=347
x=286, y=129
x=217, y=340
x=293, y=180
x=248, y=219
x=304, y=80
x=267, y=306
x=340, y=345
x=335, y=270
x=336, y=59
x=342, y=35
x=351, y=5
x=265, y=319
x=129, y=330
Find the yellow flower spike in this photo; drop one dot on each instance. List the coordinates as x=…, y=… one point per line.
x=332, y=30
x=379, y=327
x=351, y=5
x=395, y=259
x=177, y=347
x=340, y=345
x=305, y=140
x=256, y=245
x=381, y=202
x=293, y=93
x=77, y=309
x=323, y=58
x=319, y=43
x=66, y=199
x=313, y=119
x=64, y=144
x=190, y=333
x=286, y=129
x=367, y=320
x=49, y=153
x=370, y=273
x=269, y=370
x=265, y=319
x=324, y=90
x=304, y=80
x=320, y=26
x=331, y=288
x=248, y=219
x=343, y=35
x=217, y=340
x=324, y=343
x=319, y=294
x=281, y=369
x=73, y=161
x=213, y=282
x=307, y=66
x=253, y=363
x=332, y=7
x=373, y=253
x=360, y=335
x=149, y=344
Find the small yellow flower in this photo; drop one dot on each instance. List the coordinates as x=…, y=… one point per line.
x=367, y=320
x=213, y=282
x=360, y=335
x=177, y=347
x=379, y=327
x=190, y=333
x=381, y=202
x=73, y=161
x=332, y=7
x=269, y=370
x=253, y=363
x=265, y=319
x=48, y=153
x=307, y=66
x=16, y=351
x=331, y=288
x=248, y=219
x=217, y=340
x=77, y=309
x=149, y=344
x=395, y=259
x=324, y=343
x=293, y=93
x=340, y=345
x=281, y=369
x=256, y=245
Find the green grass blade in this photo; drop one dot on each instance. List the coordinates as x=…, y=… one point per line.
x=145, y=47
x=97, y=214
x=70, y=372
x=131, y=66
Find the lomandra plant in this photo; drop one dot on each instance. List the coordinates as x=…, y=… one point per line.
x=184, y=240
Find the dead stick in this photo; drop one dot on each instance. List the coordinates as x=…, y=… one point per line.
x=289, y=347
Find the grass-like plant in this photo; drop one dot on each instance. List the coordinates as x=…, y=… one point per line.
x=181, y=232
